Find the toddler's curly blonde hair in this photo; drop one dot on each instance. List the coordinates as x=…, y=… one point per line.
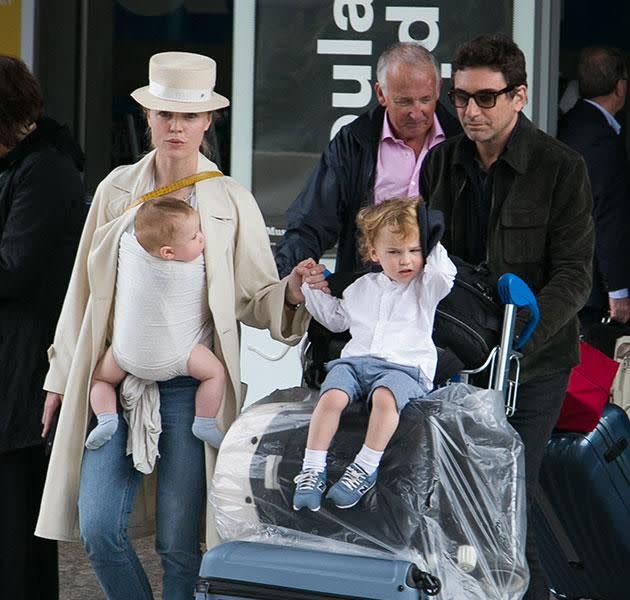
x=399, y=214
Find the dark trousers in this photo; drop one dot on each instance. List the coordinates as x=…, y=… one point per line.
x=537, y=409
x=28, y=565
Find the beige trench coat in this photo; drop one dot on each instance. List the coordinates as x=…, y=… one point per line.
x=242, y=286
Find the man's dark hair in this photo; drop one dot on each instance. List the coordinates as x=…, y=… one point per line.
x=496, y=51
x=599, y=70
x=21, y=100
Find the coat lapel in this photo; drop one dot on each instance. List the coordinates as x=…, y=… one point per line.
x=218, y=223
x=138, y=178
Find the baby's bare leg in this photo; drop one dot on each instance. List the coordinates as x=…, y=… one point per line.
x=206, y=367
x=107, y=375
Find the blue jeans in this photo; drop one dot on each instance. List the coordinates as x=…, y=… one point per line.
x=109, y=484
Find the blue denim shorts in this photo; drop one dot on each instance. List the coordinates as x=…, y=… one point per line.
x=359, y=376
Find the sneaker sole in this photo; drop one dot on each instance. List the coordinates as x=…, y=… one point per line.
x=296, y=509
x=357, y=501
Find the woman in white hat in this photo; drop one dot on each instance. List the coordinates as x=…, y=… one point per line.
x=93, y=493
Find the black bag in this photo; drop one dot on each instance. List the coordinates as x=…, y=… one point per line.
x=469, y=320
x=467, y=325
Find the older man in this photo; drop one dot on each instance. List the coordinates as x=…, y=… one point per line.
x=590, y=128
x=521, y=201
x=375, y=157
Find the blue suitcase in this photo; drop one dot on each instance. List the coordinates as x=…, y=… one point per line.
x=582, y=517
x=248, y=570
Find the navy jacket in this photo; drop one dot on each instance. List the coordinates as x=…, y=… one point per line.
x=587, y=131
x=342, y=183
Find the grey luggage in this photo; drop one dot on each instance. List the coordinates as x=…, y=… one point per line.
x=245, y=570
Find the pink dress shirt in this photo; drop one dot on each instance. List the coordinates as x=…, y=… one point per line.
x=397, y=169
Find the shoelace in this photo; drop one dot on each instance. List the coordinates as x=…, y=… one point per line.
x=307, y=480
x=353, y=477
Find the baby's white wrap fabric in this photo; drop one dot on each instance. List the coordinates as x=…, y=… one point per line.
x=140, y=400
x=161, y=313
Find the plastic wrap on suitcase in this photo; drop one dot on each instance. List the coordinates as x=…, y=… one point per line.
x=246, y=570
x=582, y=520
x=449, y=496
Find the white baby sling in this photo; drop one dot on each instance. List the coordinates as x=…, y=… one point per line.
x=161, y=313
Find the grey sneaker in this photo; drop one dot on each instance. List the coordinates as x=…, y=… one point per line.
x=309, y=489
x=354, y=483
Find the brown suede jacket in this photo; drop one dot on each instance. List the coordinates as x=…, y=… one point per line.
x=540, y=228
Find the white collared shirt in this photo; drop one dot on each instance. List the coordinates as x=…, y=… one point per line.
x=610, y=118
x=387, y=319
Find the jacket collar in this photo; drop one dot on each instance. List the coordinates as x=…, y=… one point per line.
x=517, y=152
x=367, y=127
x=48, y=132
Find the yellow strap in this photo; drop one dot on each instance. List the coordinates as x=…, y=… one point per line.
x=176, y=185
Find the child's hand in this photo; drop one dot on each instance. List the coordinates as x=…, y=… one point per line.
x=309, y=272
x=315, y=276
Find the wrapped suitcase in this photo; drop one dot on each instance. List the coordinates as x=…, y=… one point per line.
x=449, y=495
x=245, y=570
x=582, y=517
x=448, y=507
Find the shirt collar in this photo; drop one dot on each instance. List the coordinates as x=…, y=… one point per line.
x=435, y=134
x=610, y=118
x=509, y=154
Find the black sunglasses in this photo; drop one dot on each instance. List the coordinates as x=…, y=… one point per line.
x=484, y=99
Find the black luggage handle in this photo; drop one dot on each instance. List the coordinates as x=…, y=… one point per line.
x=424, y=581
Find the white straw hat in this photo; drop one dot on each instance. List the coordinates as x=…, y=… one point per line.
x=181, y=82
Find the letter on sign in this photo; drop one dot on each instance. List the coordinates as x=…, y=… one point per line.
x=407, y=15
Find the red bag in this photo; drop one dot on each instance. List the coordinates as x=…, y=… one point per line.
x=588, y=390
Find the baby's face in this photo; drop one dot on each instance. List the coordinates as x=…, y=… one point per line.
x=190, y=241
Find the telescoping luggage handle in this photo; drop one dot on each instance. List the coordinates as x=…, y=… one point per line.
x=514, y=293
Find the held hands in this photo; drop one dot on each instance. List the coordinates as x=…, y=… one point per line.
x=619, y=309
x=309, y=272
x=51, y=406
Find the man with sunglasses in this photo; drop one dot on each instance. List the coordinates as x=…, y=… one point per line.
x=520, y=201
x=376, y=157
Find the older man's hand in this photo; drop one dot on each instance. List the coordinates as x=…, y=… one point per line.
x=619, y=309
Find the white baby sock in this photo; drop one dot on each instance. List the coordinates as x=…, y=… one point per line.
x=206, y=429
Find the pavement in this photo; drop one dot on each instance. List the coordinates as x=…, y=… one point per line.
x=77, y=580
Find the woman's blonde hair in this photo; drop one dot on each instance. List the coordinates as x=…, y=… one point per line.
x=158, y=222
x=399, y=214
